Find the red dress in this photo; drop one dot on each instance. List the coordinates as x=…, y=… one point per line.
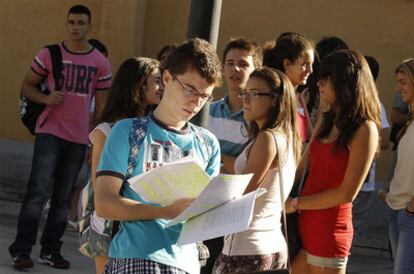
x=326, y=232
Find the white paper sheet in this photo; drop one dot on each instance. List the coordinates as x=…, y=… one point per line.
x=231, y=217
x=220, y=190
x=173, y=181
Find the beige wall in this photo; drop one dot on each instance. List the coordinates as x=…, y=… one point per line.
x=26, y=26
x=381, y=28
x=127, y=28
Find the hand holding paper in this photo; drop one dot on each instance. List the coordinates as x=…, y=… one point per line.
x=220, y=190
x=171, y=182
x=220, y=207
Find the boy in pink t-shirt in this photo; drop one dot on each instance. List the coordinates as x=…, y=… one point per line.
x=61, y=137
x=84, y=75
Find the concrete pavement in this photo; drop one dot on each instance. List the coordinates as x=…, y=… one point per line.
x=79, y=263
x=370, y=253
x=358, y=264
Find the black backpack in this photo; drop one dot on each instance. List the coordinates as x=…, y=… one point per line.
x=29, y=111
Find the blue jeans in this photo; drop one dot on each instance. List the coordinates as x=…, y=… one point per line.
x=402, y=241
x=56, y=160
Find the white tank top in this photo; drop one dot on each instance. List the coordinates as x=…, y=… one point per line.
x=264, y=235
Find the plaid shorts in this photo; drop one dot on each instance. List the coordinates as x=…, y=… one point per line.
x=136, y=265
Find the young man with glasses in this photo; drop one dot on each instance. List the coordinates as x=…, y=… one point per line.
x=143, y=244
x=240, y=58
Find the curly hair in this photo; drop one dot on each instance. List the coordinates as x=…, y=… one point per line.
x=195, y=54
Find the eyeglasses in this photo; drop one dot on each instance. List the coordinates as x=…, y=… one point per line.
x=190, y=92
x=253, y=95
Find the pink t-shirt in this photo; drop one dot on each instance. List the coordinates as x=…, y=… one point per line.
x=83, y=74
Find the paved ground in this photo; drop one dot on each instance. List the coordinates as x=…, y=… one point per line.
x=369, y=256
x=79, y=263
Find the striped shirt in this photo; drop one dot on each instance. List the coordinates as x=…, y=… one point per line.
x=229, y=128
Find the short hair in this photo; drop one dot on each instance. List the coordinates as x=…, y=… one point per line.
x=195, y=54
x=165, y=51
x=284, y=34
x=99, y=46
x=80, y=9
x=373, y=66
x=328, y=45
x=244, y=44
x=290, y=47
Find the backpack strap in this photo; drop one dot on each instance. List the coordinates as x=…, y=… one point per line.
x=137, y=136
x=204, y=143
x=57, y=66
x=135, y=139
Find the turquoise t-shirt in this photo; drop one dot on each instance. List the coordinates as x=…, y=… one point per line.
x=149, y=239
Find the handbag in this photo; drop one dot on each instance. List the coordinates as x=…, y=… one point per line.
x=293, y=236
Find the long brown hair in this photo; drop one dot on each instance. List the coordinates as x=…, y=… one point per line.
x=282, y=116
x=356, y=95
x=126, y=97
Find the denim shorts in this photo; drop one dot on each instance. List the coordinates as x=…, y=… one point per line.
x=98, y=243
x=329, y=262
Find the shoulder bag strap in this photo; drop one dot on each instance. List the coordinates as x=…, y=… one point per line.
x=282, y=196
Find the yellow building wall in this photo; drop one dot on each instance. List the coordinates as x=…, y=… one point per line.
x=380, y=28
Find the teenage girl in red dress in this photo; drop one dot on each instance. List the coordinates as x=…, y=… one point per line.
x=339, y=158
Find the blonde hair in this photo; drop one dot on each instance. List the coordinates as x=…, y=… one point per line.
x=406, y=68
